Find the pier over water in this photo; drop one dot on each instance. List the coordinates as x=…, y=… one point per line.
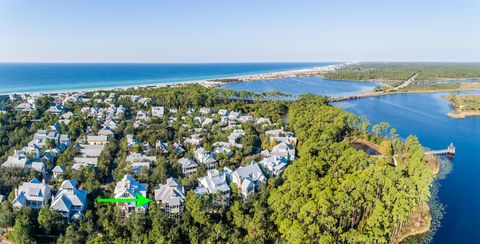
x=449, y=151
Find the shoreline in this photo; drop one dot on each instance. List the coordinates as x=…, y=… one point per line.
x=214, y=82
x=462, y=115
x=457, y=110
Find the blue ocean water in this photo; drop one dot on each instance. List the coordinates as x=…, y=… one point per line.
x=63, y=77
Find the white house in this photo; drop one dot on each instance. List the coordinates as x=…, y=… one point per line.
x=84, y=162
x=171, y=196
x=58, y=171
x=70, y=201
x=178, y=148
x=128, y=187
x=139, y=161
x=142, y=115
x=205, y=111
x=25, y=107
x=223, y=112
x=158, y=111
x=195, y=139
x=98, y=140
x=215, y=183
x=284, y=149
x=34, y=194
x=205, y=157
x=188, y=166
x=248, y=178
x=106, y=131
x=275, y=165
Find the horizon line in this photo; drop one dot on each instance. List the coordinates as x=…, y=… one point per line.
x=222, y=62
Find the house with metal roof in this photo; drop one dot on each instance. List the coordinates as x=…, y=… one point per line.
x=34, y=194
x=70, y=201
x=205, y=157
x=171, y=196
x=128, y=187
x=215, y=182
x=188, y=166
x=248, y=179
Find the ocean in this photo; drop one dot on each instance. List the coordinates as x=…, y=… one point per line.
x=55, y=77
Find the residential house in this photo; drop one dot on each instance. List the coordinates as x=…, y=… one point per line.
x=56, y=109
x=223, y=147
x=235, y=136
x=84, y=162
x=195, y=139
x=205, y=157
x=34, y=194
x=66, y=118
x=25, y=107
x=58, y=171
x=131, y=142
x=171, y=196
x=18, y=160
x=275, y=165
x=106, y=131
x=98, y=140
x=142, y=115
x=158, y=111
x=248, y=179
x=140, y=161
x=223, y=112
x=215, y=183
x=234, y=115
x=70, y=201
x=263, y=120
x=284, y=149
x=188, y=166
x=207, y=121
x=128, y=187
x=178, y=148
x=245, y=119
x=91, y=151
x=162, y=146
x=205, y=111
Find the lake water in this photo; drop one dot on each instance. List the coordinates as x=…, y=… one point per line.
x=423, y=115
x=63, y=77
x=302, y=85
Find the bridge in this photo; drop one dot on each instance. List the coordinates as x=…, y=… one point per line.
x=355, y=97
x=376, y=93
x=449, y=151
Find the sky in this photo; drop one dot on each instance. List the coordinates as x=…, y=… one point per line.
x=239, y=30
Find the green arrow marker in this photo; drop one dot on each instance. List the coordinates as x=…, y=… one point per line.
x=140, y=200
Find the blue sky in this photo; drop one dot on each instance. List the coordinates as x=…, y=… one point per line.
x=238, y=30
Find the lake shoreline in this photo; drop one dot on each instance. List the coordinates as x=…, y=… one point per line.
x=457, y=107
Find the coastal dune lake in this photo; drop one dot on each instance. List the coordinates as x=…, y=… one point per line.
x=302, y=85
x=423, y=115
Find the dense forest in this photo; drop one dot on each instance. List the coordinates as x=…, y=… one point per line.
x=332, y=193
x=403, y=71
